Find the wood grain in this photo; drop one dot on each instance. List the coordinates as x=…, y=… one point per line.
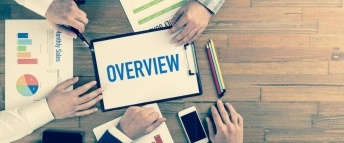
x=282, y=64
x=302, y=93
x=331, y=108
x=296, y=3
x=242, y=27
x=304, y=135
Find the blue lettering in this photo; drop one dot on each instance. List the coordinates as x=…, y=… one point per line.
x=148, y=67
x=112, y=72
x=155, y=66
x=120, y=71
x=129, y=70
x=173, y=62
x=138, y=68
x=161, y=65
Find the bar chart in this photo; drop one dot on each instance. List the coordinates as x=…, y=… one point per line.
x=23, y=49
x=157, y=139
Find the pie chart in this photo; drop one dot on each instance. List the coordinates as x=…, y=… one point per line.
x=27, y=85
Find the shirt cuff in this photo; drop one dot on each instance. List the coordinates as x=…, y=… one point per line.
x=119, y=135
x=38, y=6
x=212, y=5
x=38, y=114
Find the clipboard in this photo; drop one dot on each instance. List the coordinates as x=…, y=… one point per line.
x=143, y=67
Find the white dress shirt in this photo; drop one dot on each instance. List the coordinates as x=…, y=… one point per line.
x=17, y=123
x=38, y=6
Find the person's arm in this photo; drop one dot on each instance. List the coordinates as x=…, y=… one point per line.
x=38, y=6
x=225, y=127
x=59, y=13
x=59, y=104
x=113, y=135
x=135, y=123
x=19, y=122
x=193, y=16
x=212, y=5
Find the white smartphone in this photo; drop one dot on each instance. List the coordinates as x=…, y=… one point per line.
x=192, y=125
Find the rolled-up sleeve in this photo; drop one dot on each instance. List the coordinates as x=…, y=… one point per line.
x=212, y=5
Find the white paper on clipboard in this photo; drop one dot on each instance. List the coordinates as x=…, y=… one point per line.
x=143, y=68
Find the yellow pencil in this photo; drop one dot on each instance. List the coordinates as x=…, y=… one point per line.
x=217, y=64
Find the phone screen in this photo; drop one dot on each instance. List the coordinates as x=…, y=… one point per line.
x=61, y=137
x=193, y=127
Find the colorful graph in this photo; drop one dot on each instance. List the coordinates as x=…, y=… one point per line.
x=24, y=56
x=27, y=85
x=157, y=139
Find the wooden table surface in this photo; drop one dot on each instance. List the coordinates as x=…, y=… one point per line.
x=282, y=63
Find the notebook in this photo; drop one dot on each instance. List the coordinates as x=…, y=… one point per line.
x=143, y=67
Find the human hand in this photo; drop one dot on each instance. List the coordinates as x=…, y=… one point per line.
x=66, y=12
x=69, y=103
x=195, y=17
x=229, y=129
x=137, y=122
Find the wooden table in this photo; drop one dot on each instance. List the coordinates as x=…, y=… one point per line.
x=282, y=63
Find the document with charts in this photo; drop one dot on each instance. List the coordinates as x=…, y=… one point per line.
x=160, y=135
x=37, y=58
x=150, y=14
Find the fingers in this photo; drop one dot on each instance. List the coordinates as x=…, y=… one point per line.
x=240, y=121
x=216, y=117
x=82, y=18
x=86, y=112
x=234, y=115
x=64, y=85
x=90, y=96
x=82, y=13
x=76, y=24
x=181, y=22
x=89, y=104
x=148, y=111
x=210, y=128
x=156, y=124
x=65, y=30
x=182, y=35
x=223, y=112
x=188, y=37
x=82, y=89
x=153, y=117
x=177, y=15
x=198, y=33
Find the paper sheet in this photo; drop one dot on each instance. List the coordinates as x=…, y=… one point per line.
x=37, y=59
x=159, y=135
x=150, y=14
x=139, y=72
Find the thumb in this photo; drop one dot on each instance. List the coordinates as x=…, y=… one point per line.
x=178, y=14
x=156, y=124
x=210, y=128
x=65, y=30
x=66, y=84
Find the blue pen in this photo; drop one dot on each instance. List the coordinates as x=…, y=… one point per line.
x=216, y=68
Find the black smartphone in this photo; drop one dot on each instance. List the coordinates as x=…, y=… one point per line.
x=54, y=136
